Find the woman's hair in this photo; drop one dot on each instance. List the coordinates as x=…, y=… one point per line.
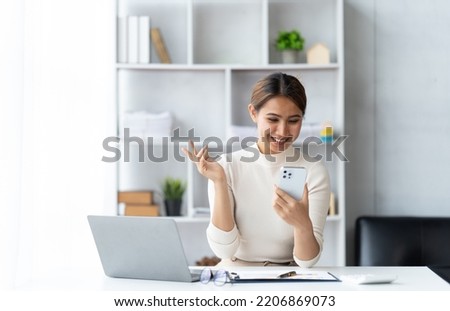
x=279, y=84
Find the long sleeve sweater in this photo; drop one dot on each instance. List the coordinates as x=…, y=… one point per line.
x=259, y=233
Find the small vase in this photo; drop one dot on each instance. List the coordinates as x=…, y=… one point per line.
x=173, y=207
x=289, y=56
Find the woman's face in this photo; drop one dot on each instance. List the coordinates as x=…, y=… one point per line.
x=279, y=122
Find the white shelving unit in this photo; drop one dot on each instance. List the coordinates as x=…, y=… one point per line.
x=219, y=49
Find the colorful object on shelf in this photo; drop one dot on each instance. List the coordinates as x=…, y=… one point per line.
x=326, y=134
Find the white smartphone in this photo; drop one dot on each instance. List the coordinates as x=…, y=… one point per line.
x=292, y=180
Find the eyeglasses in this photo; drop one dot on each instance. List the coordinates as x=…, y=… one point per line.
x=220, y=277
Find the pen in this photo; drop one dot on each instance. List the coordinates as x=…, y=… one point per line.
x=287, y=274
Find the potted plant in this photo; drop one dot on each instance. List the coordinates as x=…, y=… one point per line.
x=173, y=190
x=290, y=43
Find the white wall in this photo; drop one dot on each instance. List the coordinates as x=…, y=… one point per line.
x=397, y=109
x=56, y=90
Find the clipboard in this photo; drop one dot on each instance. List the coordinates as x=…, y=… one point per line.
x=281, y=276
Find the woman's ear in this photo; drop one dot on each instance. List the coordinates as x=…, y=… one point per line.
x=252, y=111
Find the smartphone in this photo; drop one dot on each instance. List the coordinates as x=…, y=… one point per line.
x=292, y=180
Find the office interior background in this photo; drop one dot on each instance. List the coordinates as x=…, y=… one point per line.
x=57, y=91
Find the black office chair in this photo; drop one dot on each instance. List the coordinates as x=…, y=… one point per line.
x=404, y=241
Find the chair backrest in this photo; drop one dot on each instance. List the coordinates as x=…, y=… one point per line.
x=402, y=241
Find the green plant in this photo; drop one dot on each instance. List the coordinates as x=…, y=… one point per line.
x=290, y=40
x=173, y=188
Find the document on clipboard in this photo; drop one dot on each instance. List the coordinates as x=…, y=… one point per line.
x=282, y=276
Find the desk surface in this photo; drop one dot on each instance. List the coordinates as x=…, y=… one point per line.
x=409, y=279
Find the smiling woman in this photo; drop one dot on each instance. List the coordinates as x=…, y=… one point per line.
x=280, y=129
x=253, y=222
x=277, y=106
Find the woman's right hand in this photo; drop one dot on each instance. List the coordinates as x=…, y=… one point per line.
x=205, y=165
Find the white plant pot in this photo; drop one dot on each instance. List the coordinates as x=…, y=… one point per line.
x=289, y=56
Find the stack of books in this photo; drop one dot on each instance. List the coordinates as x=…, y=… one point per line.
x=134, y=40
x=138, y=203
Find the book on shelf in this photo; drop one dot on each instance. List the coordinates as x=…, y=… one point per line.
x=141, y=210
x=122, y=39
x=160, y=46
x=144, y=40
x=332, y=210
x=135, y=197
x=133, y=39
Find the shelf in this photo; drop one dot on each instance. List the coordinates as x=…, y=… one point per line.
x=176, y=67
x=219, y=50
x=223, y=67
x=170, y=16
x=300, y=66
x=321, y=86
x=315, y=19
x=189, y=219
x=219, y=35
x=334, y=218
x=198, y=102
x=158, y=142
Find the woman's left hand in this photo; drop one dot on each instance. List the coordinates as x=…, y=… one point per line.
x=295, y=213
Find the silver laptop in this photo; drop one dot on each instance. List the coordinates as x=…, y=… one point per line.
x=141, y=248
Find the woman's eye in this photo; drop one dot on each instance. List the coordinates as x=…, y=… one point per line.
x=272, y=120
x=294, y=121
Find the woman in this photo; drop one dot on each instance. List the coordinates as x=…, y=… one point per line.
x=253, y=222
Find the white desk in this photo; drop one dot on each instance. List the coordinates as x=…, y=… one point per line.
x=409, y=279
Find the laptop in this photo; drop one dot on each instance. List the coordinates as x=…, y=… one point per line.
x=147, y=248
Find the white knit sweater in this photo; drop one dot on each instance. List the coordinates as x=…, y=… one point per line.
x=260, y=234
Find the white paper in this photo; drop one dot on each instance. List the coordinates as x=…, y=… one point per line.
x=273, y=274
